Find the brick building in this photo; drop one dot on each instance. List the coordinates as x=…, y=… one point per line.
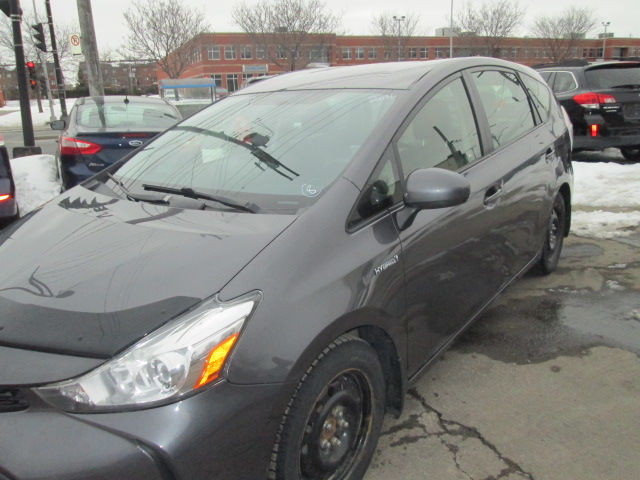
x=127, y=76
x=232, y=57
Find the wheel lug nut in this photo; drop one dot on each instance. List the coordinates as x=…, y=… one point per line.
x=324, y=444
x=335, y=442
x=343, y=424
x=326, y=426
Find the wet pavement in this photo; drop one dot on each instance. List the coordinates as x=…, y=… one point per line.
x=545, y=385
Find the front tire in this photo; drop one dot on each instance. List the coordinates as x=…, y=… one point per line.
x=332, y=423
x=631, y=153
x=556, y=230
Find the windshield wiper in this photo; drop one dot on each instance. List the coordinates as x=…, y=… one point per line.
x=270, y=161
x=191, y=193
x=627, y=85
x=128, y=193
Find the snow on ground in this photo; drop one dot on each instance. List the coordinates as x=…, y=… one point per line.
x=603, y=224
x=10, y=113
x=36, y=181
x=606, y=184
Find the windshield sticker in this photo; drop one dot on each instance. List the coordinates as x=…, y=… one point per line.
x=310, y=190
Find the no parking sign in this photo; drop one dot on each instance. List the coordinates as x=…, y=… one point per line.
x=74, y=41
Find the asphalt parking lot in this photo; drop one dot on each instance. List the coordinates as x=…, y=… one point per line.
x=545, y=385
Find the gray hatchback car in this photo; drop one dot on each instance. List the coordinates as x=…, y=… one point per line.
x=247, y=296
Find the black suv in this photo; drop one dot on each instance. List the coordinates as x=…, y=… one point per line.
x=603, y=103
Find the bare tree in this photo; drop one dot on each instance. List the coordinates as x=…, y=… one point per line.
x=493, y=21
x=395, y=31
x=161, y=30
x=291, y=33
x=561, y=33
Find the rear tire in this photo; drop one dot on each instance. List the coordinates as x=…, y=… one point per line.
x=556, y=230
x=332, y=423
x=631, y=153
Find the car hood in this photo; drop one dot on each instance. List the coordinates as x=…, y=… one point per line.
x=90, y=274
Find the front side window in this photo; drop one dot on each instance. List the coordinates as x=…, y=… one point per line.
x=443, y=134
x=564, y=82
x=505, y=103
x=540, y=96
x=278, y=151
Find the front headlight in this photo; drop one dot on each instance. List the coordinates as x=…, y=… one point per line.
x=169, y=363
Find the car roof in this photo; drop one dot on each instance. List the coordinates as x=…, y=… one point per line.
x=586, y=66
x=120, y=99
x=390, y=75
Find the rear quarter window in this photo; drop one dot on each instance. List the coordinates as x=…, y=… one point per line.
x=540, y=95
x=564, y=82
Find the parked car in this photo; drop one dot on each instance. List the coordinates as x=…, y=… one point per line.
x=246, y=297
x=101, y=130
x=603, y=103
x=8, y=204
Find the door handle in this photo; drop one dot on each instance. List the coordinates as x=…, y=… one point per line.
x=492, y=194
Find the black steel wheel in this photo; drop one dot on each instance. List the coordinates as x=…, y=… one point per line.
x=631, y=153
x=333, y=421
x=555, y=236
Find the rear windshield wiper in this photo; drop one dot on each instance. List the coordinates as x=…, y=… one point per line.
x=270, y=161
x=627, y=85
x=191, y=193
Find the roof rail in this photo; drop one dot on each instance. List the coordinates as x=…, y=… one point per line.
x=573, y=62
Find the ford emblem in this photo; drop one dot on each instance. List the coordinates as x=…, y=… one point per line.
x=135, y=143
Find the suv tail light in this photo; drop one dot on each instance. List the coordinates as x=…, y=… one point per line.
x=594, y=100
x=5, y=197
x=73, y=146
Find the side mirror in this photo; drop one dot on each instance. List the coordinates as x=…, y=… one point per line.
x=430, y=188
x=58, y=125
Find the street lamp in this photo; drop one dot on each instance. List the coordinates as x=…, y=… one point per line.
x=399, y=20
x=604, y=38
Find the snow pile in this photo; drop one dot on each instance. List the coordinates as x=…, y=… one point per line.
x=10, y=113
x=606, y=185
x=36, y=181
x=603, y=224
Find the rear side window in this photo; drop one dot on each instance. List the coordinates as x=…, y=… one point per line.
x=564, y=82
x=505, y=103
x=443, y=134
x=546, y=76
x=540, y=96
x=613, y=77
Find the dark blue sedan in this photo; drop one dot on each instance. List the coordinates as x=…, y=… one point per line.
x=101, y=130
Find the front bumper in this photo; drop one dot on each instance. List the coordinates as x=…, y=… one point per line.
x=223, y=433
x=584, y=142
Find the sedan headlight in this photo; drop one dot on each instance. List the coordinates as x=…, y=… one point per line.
x=169, y=363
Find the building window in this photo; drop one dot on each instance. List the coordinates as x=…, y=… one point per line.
x=232, y=82
x=217, y=79
x=319, y=54
x=346, y=54
x=213, y=52
x=373, y=53
x=196, y=56
x=387, y=54
x=514, y=53
x=230, y=52
x=360, y=53
x=424, y=52
x=413, y=52
x=246, y=52
x=261, y=52
x=281, y=53
x=442, y=52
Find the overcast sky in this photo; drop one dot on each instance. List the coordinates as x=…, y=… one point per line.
x=624, y=15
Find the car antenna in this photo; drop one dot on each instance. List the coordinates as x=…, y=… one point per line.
x=126, y=99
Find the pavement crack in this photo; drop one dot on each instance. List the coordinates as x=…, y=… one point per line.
x=457, y=429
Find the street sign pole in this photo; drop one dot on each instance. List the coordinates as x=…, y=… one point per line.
x=25, y=105
x=56, y=62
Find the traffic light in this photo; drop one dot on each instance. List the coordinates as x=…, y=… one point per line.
x=33, y=78
x=41, y=43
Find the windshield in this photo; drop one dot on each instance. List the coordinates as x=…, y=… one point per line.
x=613, y=76
x=130, y=116
x=278, y=151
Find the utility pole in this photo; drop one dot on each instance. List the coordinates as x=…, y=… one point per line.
x=604, y=39
x=12, y=9
x=399, y=21
x=56, y=62
x=90, y=48
x=451, y=32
